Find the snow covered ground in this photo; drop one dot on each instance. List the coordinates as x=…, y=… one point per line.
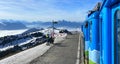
x=23, y=41
x=18, y=42
x=26, y=56
x=11, y=32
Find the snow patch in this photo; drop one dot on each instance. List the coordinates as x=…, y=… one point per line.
x=18, y=42
x=5, y=48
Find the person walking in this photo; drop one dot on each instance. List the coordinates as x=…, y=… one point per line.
x=52, y=40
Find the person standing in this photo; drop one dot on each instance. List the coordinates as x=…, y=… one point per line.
x=48, y=39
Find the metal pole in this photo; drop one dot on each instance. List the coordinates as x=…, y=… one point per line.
x=53, y=22
x=53, y=28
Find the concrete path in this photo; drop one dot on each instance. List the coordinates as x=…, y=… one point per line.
x=64, y=52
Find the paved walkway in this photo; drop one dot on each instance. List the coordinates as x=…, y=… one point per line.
x=64, y=52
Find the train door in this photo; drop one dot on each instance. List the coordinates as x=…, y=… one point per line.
x=101, y=44
x=117, y=37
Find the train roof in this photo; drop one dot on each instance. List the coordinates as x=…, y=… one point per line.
x=96, y=8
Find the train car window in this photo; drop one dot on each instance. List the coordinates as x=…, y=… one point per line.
x=117, y=35
x=91, y=31
x=86, y=25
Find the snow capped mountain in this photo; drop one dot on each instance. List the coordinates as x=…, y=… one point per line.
x=14, y=25
x=61, y=23
x=1, y=23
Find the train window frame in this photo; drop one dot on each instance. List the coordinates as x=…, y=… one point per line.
x=116, y=36
x=100, y=36
x=90, y=31
x=86, y=24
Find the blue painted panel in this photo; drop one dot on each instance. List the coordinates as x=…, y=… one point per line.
x=106, y=36
x=95, y=35
x=94, y=27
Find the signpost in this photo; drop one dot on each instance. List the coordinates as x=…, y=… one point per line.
x=53, y=22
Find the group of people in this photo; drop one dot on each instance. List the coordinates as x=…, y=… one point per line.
x=50, y=39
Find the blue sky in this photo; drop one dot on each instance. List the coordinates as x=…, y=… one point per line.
x=46, y=10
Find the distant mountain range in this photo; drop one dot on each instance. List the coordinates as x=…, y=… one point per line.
x=61, y=23
x=14, y=25
x=10, y=25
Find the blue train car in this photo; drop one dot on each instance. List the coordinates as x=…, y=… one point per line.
x=103, y=33
x=94, y=48
x=110, y=32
